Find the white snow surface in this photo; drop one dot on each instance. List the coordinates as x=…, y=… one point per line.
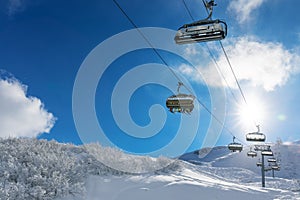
x=38, y=169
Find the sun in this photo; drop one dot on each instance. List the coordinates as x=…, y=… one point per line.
x=252, y=113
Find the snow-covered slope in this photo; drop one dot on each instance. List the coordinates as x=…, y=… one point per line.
x=35, y=169
x=289, y=156
x=188, y=183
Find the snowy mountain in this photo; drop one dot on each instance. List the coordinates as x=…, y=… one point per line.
x=38, y=169
x=297, y=142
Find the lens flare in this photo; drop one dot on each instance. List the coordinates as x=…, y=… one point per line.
x=252, y=113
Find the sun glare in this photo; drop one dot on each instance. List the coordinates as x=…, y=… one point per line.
x=251, y=113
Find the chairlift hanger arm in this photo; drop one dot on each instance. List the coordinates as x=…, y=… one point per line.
x=258, y=128
x=209, y=8
x=179, y=85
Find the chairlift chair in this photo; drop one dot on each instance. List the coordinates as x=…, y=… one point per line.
x=203, y=30
x=272, y=160
x=262, y=147
x=234, y=146
x=276, y=167
x=268, y=169
x=267, y=153
x=251, y=153
x=182, y=103
x=256, y=136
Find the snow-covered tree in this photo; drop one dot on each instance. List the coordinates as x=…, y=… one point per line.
x=44, y=170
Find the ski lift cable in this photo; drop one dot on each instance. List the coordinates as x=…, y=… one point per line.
x=188, y=10
x=171, y=70
x=235, y=77
x=231, y=68
x=205, y=7
x=211, y=54
x=219, y=69
x=146, y=39
x=228, y=61
x=236, y=80
x=161, y=58
x=216, y=63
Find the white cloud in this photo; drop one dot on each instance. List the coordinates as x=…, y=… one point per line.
x=244, y=8
x=20, y=115
x=190, y=50
x=257, y=64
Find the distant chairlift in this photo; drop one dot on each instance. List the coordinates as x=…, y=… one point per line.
x=259, y=163
x=276, y=167
x=262, y=147
x=267, y=153
x=256, y=136
x=203, y=30
x=273, y=164
x=234, y=146
x=251, y=153
x=272, y=160
x=268, y=168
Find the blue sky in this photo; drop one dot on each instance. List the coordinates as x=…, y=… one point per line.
x=44, y=43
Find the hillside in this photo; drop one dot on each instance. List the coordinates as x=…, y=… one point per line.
x=38, y=169
x=289, y=156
